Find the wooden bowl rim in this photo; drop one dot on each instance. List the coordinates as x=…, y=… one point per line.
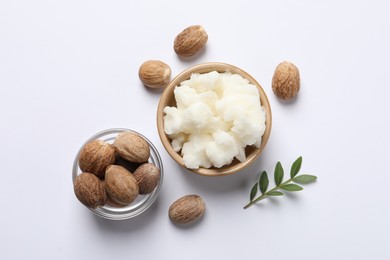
x=204, y=68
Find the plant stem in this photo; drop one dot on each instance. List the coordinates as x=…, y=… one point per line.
x=265, y=195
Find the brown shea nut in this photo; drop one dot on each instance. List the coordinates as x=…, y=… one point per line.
x=187, y=209
x=148, y=177
x=95, y=157
x=89, y=190
x=154, y=74
x=109, y=201
x=121, y=185
x=190, y=41
x=132, y=147
x=286, y=81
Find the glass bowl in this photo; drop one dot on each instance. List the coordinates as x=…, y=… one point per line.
x=142, y=202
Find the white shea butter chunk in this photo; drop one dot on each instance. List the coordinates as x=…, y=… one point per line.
x=222, y=149
x=216, y=116
x=193, y=151
x=172, y=120
x=196, y=117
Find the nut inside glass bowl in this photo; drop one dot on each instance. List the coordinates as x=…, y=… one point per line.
x=168, y=99
x=142, y=202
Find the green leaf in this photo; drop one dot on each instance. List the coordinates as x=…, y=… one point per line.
x=253, y=192
x=305, y=178
x=263, y=183
x=296, y=166
x=291, y=187
x=278, y=173
x=275, y=193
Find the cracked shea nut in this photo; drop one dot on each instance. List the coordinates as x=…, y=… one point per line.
x=187, y=209
x=286, y=81
x=96, y=156
x=190, y=41
x=121, y=185
x=132, y=147
x=148, y=177
x=154, y=74
x=89, y=190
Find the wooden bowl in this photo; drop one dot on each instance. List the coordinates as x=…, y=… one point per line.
x=168, y=99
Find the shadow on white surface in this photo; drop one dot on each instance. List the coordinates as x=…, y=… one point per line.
x=294, y=196
x=224, y=184
x=288, y=102
x=152, y=91
x=129, y=225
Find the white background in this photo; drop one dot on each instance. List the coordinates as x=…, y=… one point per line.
x=69, y=69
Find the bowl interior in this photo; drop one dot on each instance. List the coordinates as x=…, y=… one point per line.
x=168, y=99
x=142, y=202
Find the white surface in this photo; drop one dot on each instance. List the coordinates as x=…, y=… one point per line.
x=68, y=69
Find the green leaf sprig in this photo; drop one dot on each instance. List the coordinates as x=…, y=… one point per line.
x=288, y=186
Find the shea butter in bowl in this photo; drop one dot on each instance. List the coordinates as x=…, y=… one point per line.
x=214, y=119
